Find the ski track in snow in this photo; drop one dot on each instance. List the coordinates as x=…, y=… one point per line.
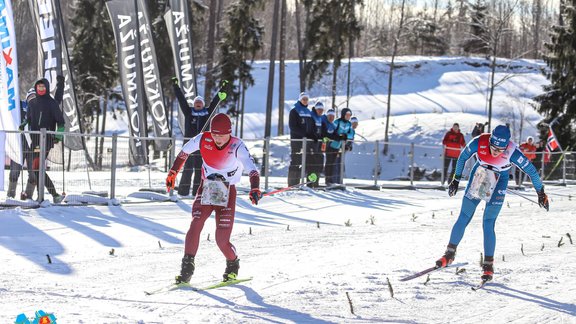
x=301, y=275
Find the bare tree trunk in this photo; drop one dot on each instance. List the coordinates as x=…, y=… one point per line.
x=301, y=55
x=282, y=69
x=270, y=94
x=537, y=22
x=210, y=46
x=390, y=75
x=219, y=18
x=350, y=54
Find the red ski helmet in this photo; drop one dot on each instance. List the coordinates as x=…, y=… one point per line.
x=221, y=124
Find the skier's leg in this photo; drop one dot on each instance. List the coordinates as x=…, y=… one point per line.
x=199, y=215
x=491, y=212
x=446, y=163
x=224, y=225
x=466, y=213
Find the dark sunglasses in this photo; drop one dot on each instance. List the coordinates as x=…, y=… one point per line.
x=497, y=149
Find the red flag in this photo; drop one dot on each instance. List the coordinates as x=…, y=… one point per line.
x=552, y=143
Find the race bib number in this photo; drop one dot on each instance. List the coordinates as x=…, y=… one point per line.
x=483, y=184
x=215, y=193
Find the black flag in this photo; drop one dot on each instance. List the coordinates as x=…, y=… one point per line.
x=179, y=30
x=53, y=60
x=152, y=86
x=125, y=24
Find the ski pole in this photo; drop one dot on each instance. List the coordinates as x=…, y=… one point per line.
x=521, y=195
x=311, y=178
x=218, y=98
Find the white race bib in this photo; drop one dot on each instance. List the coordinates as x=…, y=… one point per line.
x=483, y=184
x=215, y=193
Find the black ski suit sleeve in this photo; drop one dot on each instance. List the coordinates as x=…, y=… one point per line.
x=295, y=125
x=59, y=95
x=184, y=107
x=57, y=114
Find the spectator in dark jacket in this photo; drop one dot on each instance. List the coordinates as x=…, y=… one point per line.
x=478, y=129
x=44, y=112
x=453, y=143
x=301, y=126
x=317, y=157
x=195, y=118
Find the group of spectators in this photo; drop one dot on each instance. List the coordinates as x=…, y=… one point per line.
x=454, y=142
x=315, y=134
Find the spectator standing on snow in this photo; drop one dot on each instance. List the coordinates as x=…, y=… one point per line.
x=478, y=129
x=44, y=112
x=354, y=122
x=317, y=156
x=453, y=143
x=224, y=157
x=488, y=181
x=301, y=126
x=331, y=134
x=529, y=150
x=343, y=133
x=195, y=118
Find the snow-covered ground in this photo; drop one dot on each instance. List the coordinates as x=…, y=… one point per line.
x=302, y=273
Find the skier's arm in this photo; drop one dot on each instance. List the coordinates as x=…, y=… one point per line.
x=466, y=154
x=191, y=146
x=521, y=161
x=247, y=161
x=182, y=102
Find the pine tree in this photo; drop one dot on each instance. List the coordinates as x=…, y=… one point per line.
x=240, y=42
x=93, y=55
x=476, y=42
x=559, y=97
x=332, y=24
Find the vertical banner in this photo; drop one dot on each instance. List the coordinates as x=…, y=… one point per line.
x=125, y=24
x=53, y=60
x=9, y=94
x=152, y=86
x=2, y=155
x=177, y=19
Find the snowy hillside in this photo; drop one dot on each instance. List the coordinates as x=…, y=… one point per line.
x=426, y=91
x=302, y=273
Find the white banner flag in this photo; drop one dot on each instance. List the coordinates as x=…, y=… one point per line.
x=9, y=96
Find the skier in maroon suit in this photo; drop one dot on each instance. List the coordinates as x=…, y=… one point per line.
x=224, y=157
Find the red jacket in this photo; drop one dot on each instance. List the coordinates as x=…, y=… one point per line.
x=529, y=150
x=454, y=142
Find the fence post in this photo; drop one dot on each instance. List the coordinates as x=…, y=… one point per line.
x=303, y=172
x=343, y=149
x=542, y=166
x=563, y=168
x=266, y=163
x=412, y=164
x=443, y=176
x=377, y=165
x=42, y=165
x=113, y=166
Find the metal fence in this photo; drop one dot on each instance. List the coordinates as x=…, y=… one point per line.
x=104, y=168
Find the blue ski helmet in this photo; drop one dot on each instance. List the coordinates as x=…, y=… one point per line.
x=500, y=136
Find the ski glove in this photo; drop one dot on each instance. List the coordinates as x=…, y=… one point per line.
x=543, y=199
x=59, y=137
x=255, y=196
x=174, y=80
x=343, y=137
x=453, y=187
x=171, y=180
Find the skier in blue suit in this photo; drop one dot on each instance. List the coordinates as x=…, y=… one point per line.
x=488, y=181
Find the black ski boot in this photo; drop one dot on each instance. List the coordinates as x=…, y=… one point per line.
x=187, y=269
x=488, y=268
x=231, y=271
x=448, y=257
